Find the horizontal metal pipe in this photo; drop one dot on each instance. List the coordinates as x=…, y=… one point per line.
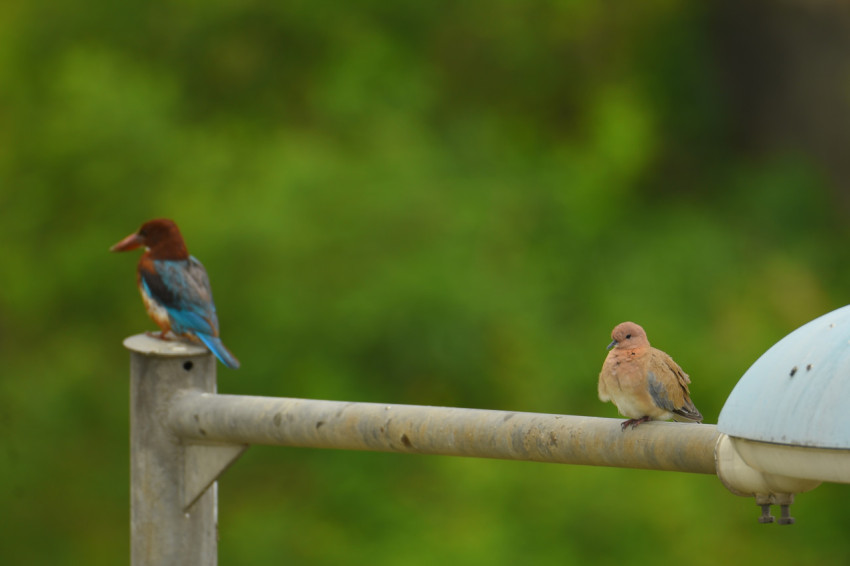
x=414, y=429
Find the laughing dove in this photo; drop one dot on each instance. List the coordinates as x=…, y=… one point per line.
x=643, y=382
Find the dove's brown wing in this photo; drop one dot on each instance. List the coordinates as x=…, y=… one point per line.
x=668, y=387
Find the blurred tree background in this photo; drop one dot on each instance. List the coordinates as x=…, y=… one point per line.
x=443, y=203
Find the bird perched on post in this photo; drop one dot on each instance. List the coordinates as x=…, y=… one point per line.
x=643, y=382
x=175, y=287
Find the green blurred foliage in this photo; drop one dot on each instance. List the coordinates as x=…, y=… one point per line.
x=411, y=202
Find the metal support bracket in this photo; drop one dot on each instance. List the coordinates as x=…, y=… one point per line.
x=203, y=464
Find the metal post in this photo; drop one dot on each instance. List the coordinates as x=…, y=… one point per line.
x=414, y=429
x=183, y=436
x=163, y=532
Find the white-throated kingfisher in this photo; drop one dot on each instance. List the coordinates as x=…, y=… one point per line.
x=175, y=287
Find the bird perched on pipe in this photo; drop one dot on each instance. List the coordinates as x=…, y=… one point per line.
x=175, y=287
x=643, y=382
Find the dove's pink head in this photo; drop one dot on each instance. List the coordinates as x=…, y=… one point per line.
x=628, y=336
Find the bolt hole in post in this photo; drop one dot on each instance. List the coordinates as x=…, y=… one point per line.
x=188, y=365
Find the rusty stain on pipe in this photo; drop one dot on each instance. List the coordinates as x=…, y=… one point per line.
x=415, y=429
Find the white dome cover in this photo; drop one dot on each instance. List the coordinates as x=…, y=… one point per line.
x=798, y=392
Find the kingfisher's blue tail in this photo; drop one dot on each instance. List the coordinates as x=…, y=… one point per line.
x=221, y=352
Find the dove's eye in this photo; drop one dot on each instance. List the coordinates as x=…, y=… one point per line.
x=628, y=336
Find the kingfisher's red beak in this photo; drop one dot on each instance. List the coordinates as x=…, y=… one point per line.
x=131, y=242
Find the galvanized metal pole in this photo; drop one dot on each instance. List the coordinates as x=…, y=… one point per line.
x=184, y=435
x=417, y=429
x=163, y=533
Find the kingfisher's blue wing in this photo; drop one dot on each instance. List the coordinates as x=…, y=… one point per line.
x=182, y=288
